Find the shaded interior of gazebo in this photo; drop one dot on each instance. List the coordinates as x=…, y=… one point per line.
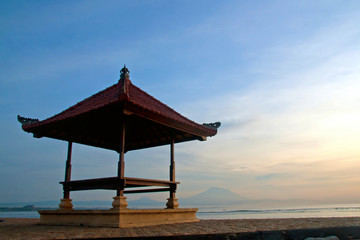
x=120, y=118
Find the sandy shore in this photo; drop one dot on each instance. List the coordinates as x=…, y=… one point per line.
x=27, y=228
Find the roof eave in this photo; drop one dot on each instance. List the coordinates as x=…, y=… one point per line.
x=201, y=131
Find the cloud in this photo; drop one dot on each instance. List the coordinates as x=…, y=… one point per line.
x=296, y=129
x=271, y=176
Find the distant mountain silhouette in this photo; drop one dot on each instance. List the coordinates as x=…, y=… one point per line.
x=214, y=196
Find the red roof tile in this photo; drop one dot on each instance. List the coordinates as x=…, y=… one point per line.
x=125, y=91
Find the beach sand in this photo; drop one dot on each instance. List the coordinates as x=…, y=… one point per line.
x=28, y=228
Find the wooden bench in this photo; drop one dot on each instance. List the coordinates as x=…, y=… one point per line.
x=117, y=183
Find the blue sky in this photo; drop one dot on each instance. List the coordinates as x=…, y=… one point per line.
x=281, y=76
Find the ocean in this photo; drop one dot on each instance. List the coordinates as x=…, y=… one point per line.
x=236, y=212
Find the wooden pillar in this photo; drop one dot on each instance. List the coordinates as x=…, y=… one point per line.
x=172, y=202
x=68, y=170
x=119, y=200
x=65, y=202
x=172, y=167
x=121, y=163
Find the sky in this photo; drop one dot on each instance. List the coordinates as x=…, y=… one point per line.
x=281, y=76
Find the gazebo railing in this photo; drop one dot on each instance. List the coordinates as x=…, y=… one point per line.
x=116, y=183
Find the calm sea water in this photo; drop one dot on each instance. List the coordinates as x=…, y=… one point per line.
x=27, y=214
x=234, y=212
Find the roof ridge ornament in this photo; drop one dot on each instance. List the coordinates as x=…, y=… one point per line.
x=26, y=121
x=214, y=125
x=124, y=73
x=124, y=82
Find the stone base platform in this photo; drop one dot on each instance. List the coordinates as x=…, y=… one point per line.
x=118, y=218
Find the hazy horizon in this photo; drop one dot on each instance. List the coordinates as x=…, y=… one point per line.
x=211, y=198
x=282, y=77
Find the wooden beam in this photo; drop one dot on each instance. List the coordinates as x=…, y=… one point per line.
x=138, y=182
x=148, y=190
x=114, y=183
x=110, y=183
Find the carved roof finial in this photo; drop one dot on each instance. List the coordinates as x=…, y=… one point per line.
x=26, y=121
x=214, y=125
x=124, y=73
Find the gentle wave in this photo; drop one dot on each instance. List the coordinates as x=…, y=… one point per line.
x=334, y=211
x=285, y=210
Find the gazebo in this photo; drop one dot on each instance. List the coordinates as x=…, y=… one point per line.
x=121, y=118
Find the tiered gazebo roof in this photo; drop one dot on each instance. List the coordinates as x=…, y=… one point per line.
x=95, y=121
